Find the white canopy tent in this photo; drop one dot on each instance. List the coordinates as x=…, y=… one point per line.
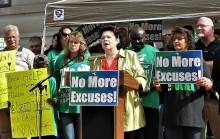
x=102, y=11
x=79, y=12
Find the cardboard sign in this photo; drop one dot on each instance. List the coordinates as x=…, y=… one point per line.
x=7, y=60
x=24, y=109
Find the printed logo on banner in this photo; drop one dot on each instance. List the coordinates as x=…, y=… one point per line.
x=58, y=14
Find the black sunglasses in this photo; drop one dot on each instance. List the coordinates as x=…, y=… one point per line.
x=65, y=34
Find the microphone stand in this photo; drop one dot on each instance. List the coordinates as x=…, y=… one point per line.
x=41, y=88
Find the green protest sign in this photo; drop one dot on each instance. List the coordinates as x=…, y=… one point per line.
x=179, y=66
x=94, y=88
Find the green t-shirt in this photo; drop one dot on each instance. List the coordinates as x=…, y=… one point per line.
x=54, y=94
x=72, y=66
x=52, y=56
x=148, y=55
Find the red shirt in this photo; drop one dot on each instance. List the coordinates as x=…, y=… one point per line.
x=113, y=66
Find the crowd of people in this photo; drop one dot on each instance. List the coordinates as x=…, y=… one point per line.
x=157, y=111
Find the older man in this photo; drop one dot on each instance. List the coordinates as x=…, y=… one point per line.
x=207, y=42
x=24, y=61
x=24, y=57
x=209, y=46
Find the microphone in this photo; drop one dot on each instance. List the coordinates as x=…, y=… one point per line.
x=39, y=84
x=95, y=43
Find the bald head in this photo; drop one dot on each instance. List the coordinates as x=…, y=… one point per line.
x=137, y=38
x=205, y=21
x=137, y=31
x=205, y=28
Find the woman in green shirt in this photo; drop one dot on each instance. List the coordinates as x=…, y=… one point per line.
x=76, y=55
x=62, y=40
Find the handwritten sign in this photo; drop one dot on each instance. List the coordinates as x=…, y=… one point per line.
x=7, y=60
x=94, y=88
x=179, y=66
x=25, y=106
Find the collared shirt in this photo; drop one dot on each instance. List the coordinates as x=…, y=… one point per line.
x=208, y=51
x=134, y=113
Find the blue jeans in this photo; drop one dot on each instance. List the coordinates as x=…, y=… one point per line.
x=70, y=125
x=182, y=132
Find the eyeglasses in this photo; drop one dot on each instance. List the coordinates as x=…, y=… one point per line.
x=103, y=37
x=65, y=34
x=202, y=26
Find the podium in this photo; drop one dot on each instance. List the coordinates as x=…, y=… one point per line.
x=107, y=122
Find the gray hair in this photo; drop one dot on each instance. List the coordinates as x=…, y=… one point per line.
x=11, y=28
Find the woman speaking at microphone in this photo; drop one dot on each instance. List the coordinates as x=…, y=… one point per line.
x=76, y=55
x=127, y=60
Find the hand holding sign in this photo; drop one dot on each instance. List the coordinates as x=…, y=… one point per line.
x=205, y=82
x=156, y=84
x=179, y=67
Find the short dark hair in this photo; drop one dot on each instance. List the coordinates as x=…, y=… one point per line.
x=35, y=39
x=189, y=27
x=111, y=28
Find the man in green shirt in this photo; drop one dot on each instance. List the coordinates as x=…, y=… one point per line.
x=150, y=100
